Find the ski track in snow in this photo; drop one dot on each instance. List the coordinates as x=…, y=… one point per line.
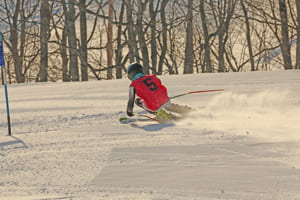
x=67, y=143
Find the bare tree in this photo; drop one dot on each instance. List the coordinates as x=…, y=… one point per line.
x=189, y=58
x=21, y=35
x=120, y=47
x=248, y=36
x=69, y=11
x=207, y=65
x=44, y=34
x=164, y=34
x=83, y=39
x=141, y=34
x=285, y=45
x=152, y=25
x=65, y=60
x=133, y=50
x=223, y=12
x=61, y=41
x=109, y=47
x=14, y=41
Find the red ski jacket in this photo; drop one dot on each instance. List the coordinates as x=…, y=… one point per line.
x=150, y=89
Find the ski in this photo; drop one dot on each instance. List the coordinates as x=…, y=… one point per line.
x=158, y=119
x=127, y=120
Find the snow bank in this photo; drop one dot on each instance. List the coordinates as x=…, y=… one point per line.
x=67, y=142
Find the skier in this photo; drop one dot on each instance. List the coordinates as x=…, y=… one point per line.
x=152, y=95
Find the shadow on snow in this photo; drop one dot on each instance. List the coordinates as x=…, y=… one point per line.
x=152, y=127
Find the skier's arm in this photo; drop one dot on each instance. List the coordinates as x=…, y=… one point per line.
x=131, y=101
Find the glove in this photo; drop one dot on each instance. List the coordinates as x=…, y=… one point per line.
x=130, y=114
x=138, y=102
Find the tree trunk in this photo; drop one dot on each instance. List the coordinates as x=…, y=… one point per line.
x=248, y=35
x=153, y=36
x=133, y=50
x=225, y=13
x=63, y=46
x=119, y=44
x=164, y=36
x=189, y=58
x=44, y=33
x=141, y=36
x=83, y=38
x=15, y=44
x=63, y=52
x=22, y=45
x=109, y=46
x=285, y=44
x=73, y=67
x=206, y=66
x=221, y=52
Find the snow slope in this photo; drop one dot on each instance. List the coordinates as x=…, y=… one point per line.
x=67, y=143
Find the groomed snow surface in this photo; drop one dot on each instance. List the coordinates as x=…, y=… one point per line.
x=239, y=144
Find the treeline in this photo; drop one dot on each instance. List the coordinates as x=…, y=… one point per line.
x=78, y=40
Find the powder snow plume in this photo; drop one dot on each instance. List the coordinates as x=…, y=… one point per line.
x=266, y=114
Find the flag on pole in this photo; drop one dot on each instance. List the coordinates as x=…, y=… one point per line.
x=1, y=51
x=2, y=63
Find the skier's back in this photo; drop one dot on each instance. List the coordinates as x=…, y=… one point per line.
x=153, y=95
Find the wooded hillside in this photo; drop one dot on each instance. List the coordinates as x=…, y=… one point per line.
x=80, y=40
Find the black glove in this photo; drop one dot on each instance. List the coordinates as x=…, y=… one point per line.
x=130, y=114
x=138, y=102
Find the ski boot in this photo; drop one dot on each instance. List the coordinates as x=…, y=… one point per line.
x=163, y=117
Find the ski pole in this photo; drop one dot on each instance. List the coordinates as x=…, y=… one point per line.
x=141, y=115
x=2, y=63
x=149, y=118
x=194, y=92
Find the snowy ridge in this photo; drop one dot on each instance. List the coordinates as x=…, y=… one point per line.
x=67, y=142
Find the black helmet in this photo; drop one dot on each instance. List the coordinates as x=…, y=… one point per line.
x=133, y=69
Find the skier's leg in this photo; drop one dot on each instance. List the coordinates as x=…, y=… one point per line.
x=160, y=113
x=163, y=116
x=172, y=107
x=139, y=102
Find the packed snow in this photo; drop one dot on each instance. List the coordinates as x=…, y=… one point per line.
x=67, y=141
